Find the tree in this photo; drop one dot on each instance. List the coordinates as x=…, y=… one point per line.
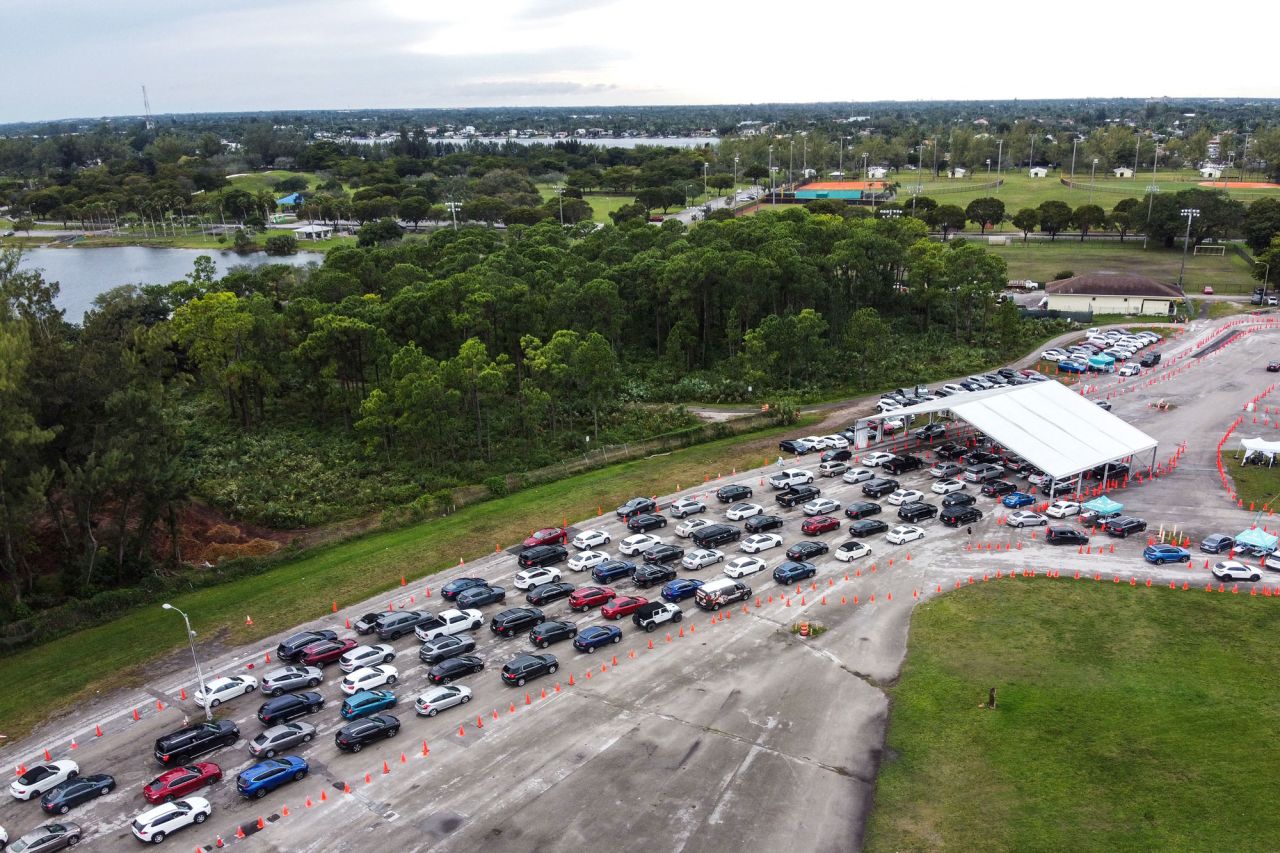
x=755, y=172
x=1262, y=223
x=1054, y=217
x=414, y=209
x=379, y=233
x=1026, y=220
x=291, y=184
x=921, y=207
x=281, y=244
x=651, y=197
x=1122, y=214
x=619, y=178
x=720, y=182
x=24, y=224
x=1088, y=216
x=947, y=218
x=634, y=212
x=985, y=212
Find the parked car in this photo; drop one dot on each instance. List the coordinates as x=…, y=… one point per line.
x=663, y=554
x=743, y=511
x=949, y=451
x=70, y=793
x=1234, y=570
x=954, y=516
x=547, y=536
x=1216, y=543
x=916, y=511
x=539, y=555
x=393, y=626
x=437, y=699
x=796, y=446
x=181, y=746
x=904, y=496
x=700, y=558
x=718, y=593
x=552, y=631
x=790, y=478
x=364, y=625
x=282, y=679
x=291, y=648
x=957, y=499
x=156, y=824
x=1017, y=500
x=479, y=596
x=42, y=778
x=184, y=780
x=716, y=534
x=590, y=596
x=794, y=571
x=852, y=550
x=48, y=837
x=820, y=506
x=743, y=566
x=946, y=486
x=879, y=487
x=448, y=671
x=653, y=573
x=680, y=589
x=733, y=493
x=223, y=689
x=1123, y=526
x=945, y=469
x=690, y=526
x=442, y=648
x=904, y=533
x=515, y=620
x=807, y=550
x=1025, y=518
x=580, y=562
x=636, y=506
x=832, y=469
x=272, y=741
x=928, y=432
x=356, y=735
x=858, y=475
x=1062, y=509
x=862, y=509
x=841, y=454
x=1065, y=535
x=450, y=591
x=452, y=621
x=264, y=777
x=636, y=544
x=366, y=702
x=867, y=527
x=610, y=571
x=590, y=540
x=997, y=488
x=1159, y=554
x=529, y=578
x=362, y=656
x=902, y=465
x=595, y=636
x=622, y=605
x=655, y=613
x=797, y=495
x=819, y=524
x=290, y=706
x=523, y=668
x=645, y=522
x=762, y=523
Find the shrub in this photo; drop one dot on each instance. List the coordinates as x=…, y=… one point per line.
x=282, y=244
x=1061, y=274
x=497, y=486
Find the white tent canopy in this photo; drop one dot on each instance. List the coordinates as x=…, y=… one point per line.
x=1270, y=449
x=1052, y=427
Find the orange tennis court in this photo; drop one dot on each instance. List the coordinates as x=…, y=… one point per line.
x=846, y=185
x=1241, y=185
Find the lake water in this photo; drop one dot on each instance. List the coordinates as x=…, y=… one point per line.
x=84, y=273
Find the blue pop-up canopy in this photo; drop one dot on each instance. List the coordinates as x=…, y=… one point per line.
x=1104, y=505
x=1256, y=537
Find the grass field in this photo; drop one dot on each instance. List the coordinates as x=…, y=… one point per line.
x=1039, y=260
x=255, y=181
x=1255, y=484
x=1128, y=719
x=62, y=672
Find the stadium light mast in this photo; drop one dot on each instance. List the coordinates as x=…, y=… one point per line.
x=1191, y=213
x=999, y=162
x=1093, y=170
x=1074, y=143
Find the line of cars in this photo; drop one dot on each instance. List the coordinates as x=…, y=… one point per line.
x=1119, y=345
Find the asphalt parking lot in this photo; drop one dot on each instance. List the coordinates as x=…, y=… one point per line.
x=737, y=733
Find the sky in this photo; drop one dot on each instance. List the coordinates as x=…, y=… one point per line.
x=80, y=58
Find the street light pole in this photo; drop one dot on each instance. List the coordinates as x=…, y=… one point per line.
x=791, y=163
x=704, y=177
x=1093, y=170
x=1190, y=213
x=735, y=173
x=191, y=639
x=560, y=194
x=999, y=162
x=1074, y=143
x=1266, y=273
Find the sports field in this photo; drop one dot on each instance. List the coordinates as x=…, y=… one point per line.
x=1041, y=260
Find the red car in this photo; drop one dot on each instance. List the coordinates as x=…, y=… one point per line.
x=623, y=606
x=327, y=651
x=819, y=524
x=590, y=596
x=181, y=781
x=547, y=536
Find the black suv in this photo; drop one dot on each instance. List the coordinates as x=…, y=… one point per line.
x=516, y=619
x=996, y=488
x=290, y=706
x=185, y=744
x=799, y=448
x=645, y=522
x=716, y=534
x=949, y=450
x=902, y=464
x=840, y=455
x=476, y=596
x=353, y=737
x=520, y=669
x=1065, y=535
x=954, y=516
x=798, y=495
x=878, y=487
x=662, y=553
x=612, y=570
x=1149, y=359
x=552, y=631
x=928, y=432
x=290, y=649
x=733, y=493
x=917, y=511
x=544, y=593
x=635, y=506
x=862, y=509
x=652, y=573
x=867, y=527
x=1124, y=525
x=958, y=499
x=542, y=555
x=393, y=626
x=761, y=523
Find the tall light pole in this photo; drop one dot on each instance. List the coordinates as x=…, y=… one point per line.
x=999, y=162
x=773, y=193
x=804, y=154
x=1191, y=213
x=704, y=176
x=560, y=195
x=840, y=168
x=1093, y=170
x=988, y=170
x=866, y=174
x=1074, y=143
x=453, y=209
x=735, y=173
x=1266, y=273
x=191, y=639
x=771, y=198
x=791, y=162
x=1152, y=189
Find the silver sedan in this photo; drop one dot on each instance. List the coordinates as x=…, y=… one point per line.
x=277, y=739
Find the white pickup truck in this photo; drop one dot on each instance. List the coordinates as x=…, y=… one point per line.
x=449, y=622
x=790, y=477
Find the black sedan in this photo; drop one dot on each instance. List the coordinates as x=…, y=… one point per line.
x=950, y=450
x=454, y=668
x=867, y=527
x=862, y=509
x=807, y=550
x=761, y=523
x=958, y=499
x=663, y=554
x=645, y=522
x=548, y=592
x=996, y=488
x=1063, y=535
x=73, y=792
x=552, y=631
x=450, y=590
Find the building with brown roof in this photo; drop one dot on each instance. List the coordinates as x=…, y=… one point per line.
x=1113, y=293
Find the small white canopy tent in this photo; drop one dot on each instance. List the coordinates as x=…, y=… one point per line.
x=1268, y=449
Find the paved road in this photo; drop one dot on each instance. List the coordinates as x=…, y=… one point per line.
x=736, y=735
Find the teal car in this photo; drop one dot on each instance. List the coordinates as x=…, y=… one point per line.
x=367, y=702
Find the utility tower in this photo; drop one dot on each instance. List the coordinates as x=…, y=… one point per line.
x=146, y=108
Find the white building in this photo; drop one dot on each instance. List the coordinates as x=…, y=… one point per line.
x=1122, y=172
x=876, y=173
x=1211, y=171
x=1038, y=172
x=959, y=171
x=313, y=232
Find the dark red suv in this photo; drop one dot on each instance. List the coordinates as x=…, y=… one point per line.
x=181, y=781
x=547, y=536
x=819, y=524
x=590, y=596
x=328, y=651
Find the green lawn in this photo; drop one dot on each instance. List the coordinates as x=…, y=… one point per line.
x=1255, y=484
x=1128, y=719
x=1039, y=260
x=255, y=181
x=63, y=672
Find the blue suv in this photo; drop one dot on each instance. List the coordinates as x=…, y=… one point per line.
x=1014, y=500
x=261, y=779
x=794, y=570
x=590, y=639
x=367, y=702
x=680, y=589
x=1161, y=554
x=612, y=570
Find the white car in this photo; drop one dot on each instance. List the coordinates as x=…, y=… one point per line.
x=743, y=566
x=905, y=496
x=362, y=656
x=370, y=677
x=447, y=623
x=1234, y=570
x=760, y=542
x=215, y=692
x=1026, y=518
x=1053, y=355
x=832, y=468
x=640, y=542
x=816, y=442
x=790, y=477
x=42, y=778
x=685, y=507
x=836, y=442
x=820, y=506
x=1062, y=509
x=438, y=699
x=1040, y=479
x=579, y=562
x=946, y=486
x=529, y=578
x=590, y=539
x=904, y=533
x=1130, y=370
x=700, y=558
x=858, y=475
x=154, y=825
x=875, y=458
x=953, y=388
x=852, y=550
x=892, y=424
x=738, y=512
x=690, y=526
x=886, y=404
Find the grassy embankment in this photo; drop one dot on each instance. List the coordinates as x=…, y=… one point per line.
x=1128, y=719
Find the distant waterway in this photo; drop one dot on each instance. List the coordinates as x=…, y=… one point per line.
x=85, y=273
